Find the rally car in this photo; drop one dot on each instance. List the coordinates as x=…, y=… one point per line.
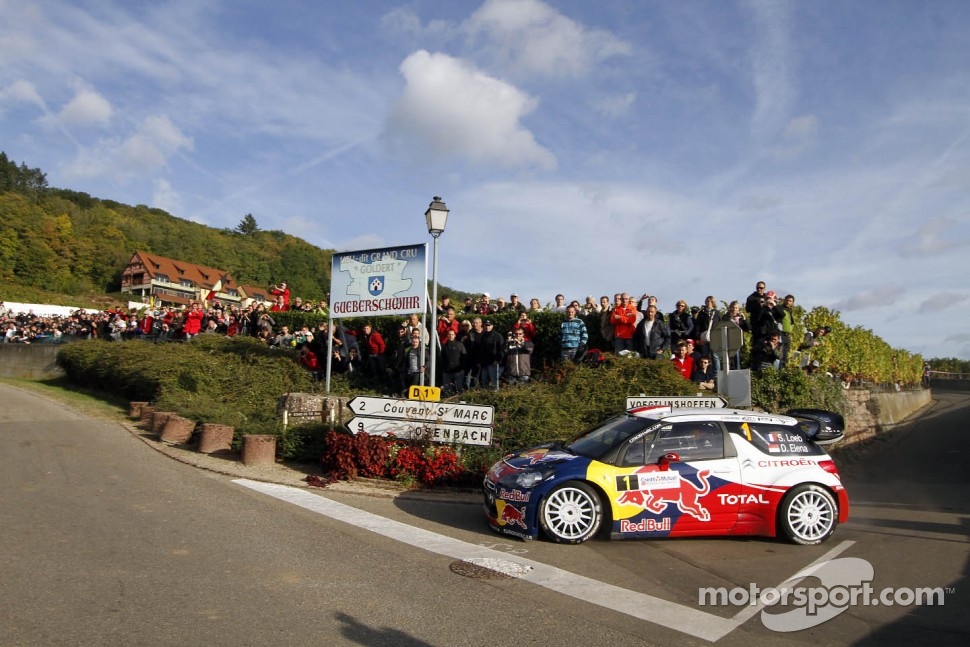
x=661, y=472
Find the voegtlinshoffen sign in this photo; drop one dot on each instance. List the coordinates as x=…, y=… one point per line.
x=681, y=402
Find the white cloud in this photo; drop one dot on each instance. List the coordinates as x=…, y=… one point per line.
x=85, y=109
x=449, y=108
x=528, y=37
x=146, y=150
x=22, y=92
x=404, y=21
x=616, y=105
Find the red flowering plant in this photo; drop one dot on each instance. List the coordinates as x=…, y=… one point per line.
x=429, y=464
x=347, y=457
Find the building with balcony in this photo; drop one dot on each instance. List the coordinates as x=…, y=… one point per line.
x=161, y=281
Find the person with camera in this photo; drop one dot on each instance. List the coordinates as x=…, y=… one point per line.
x=526, y=326
x=485, y=305
x=309, y=360
x=767, y=352
x=447, y=322
x=518, y=358
x=283, y=295
x=763, y=322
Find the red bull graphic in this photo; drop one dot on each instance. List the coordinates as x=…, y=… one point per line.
x=514, y=495
x=646, y=525
x=510, y=515
x=534, y=455
x=654, y=490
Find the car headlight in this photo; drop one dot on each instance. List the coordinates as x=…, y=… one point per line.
x=528, y=479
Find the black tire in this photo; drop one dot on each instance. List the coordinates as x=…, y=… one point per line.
x=808, y=515
x=571, y=513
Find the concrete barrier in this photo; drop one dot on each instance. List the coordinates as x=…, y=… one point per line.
x=30, y=361
x=893, y=408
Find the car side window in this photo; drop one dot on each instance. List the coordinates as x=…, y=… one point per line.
x=776, y=440
x=692, y=441
x=636, y=451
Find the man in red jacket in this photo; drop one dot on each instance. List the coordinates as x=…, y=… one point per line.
x=447, y=323
x=624, y=320
x=193, y=321
x=374, y=346
x=283, y=291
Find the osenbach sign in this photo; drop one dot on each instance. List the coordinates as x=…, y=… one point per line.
x=439, y=432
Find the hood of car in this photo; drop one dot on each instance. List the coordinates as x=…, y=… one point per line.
x=538, y=456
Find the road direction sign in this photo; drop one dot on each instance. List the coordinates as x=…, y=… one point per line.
x=436, y=431
x=706, y=402
x=441, y=412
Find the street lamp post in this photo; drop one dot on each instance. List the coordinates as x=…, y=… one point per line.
x=436, y=217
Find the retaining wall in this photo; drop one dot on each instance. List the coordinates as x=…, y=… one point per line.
x=872, y=413
x=31, y=361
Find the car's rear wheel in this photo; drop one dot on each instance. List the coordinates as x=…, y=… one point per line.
x=808, y=514
x=571, y=513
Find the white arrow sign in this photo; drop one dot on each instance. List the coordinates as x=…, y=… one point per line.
x=466, y=414
x=713, y=402
x=435, y=431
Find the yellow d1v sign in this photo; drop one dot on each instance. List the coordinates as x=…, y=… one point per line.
x=426, y=393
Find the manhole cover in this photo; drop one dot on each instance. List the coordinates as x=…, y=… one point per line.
x=485, y=568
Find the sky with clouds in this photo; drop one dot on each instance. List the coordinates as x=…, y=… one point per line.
x=674, y=148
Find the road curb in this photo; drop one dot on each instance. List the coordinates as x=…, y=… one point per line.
x=295, y=475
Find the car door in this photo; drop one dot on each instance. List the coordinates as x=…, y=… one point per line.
x=709, y=476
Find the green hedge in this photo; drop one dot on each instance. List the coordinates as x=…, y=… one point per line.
x=239, y=382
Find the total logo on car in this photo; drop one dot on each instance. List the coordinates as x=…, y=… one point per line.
x=663, y=472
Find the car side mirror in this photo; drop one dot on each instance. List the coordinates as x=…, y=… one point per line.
x=667, y=459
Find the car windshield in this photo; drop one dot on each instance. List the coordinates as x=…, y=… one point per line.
x=595, y=442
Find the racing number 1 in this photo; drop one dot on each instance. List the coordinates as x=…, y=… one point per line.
x=627, y=482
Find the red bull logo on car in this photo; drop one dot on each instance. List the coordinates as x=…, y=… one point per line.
x=646, y=525
x=510, y=515
x=655, y=490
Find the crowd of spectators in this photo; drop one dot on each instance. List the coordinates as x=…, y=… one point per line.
x=470, y=349
x=31, y=328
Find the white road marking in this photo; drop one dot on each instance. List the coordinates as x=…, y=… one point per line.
x=674, y=616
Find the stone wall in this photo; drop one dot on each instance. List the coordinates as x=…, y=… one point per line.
x=872, y=413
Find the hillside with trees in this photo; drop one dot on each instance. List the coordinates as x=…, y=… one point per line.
x=72, y=243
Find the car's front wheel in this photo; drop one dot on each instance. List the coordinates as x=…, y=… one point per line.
x=808, y=514
x=571, y=513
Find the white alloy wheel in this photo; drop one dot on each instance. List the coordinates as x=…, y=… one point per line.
x=808, y=514
x=571, y=513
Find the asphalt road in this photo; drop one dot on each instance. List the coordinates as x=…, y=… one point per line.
x=104, y=541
